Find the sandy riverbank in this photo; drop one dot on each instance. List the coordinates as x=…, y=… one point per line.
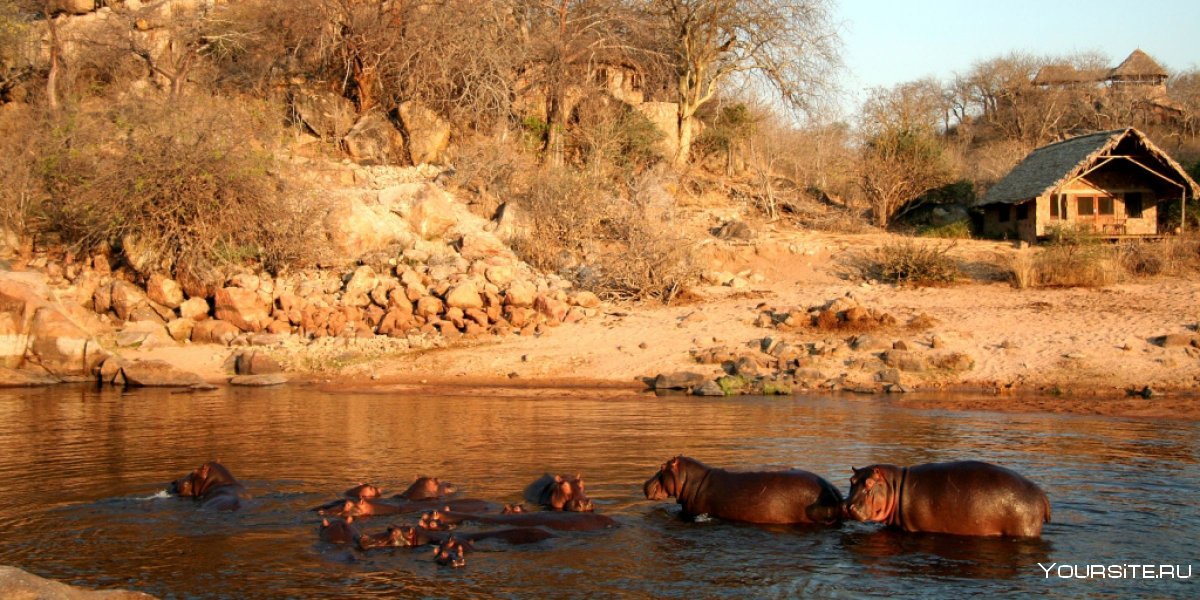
x=1050, y=350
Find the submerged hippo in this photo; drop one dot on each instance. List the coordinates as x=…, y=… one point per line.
x=339, y=531
x=962, y=498
x=561, y=521
x=368, y=508
x=556, y=492
x=766, y=497
x=427, y=488
x=212, y=484
x=405, y=536
x=364, y=491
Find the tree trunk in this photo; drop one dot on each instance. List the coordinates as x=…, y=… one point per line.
x=55, y=63
x=684, y=151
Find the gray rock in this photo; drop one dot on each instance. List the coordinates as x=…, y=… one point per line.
x=22, y=378
x=681, y=380
x=259, y=380
x=709, y=388
x=18, y=584
x=157, y=373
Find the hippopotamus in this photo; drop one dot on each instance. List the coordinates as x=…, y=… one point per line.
x=961, y=498
x=339, y=531
x=559, y=493
x=213, y=485
x=765, y=497
x=427, y=488
x=363, y=491
x=406, y=536
x=451, y=553
x=368, y=508
x=561, y=521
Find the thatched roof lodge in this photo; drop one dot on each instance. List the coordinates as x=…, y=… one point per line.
x=1112, y=182
x=1138, y=72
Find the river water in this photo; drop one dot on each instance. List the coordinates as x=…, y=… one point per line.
x=81, y=473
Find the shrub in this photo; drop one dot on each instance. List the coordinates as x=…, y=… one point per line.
x=911, y=263
x=957, y=230
x=619, y=244
x=1075, y=258
x=22, y=194
x=180, y=185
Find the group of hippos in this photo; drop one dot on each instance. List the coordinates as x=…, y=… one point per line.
x=961, y=498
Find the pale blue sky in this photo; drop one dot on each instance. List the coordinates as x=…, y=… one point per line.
x=889, y=42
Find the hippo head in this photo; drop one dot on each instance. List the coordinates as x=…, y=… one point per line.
x=363, y=491
x=434, y=521
x=665, y=483
x=568, y=494
x=872, y=496
x=395, y=537
x=428, y=488
x=191, y=484
x=513, y=509
x=451, y=553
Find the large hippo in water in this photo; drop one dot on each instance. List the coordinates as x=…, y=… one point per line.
x=427, y=488
x=340, y=531
x=962, y=498
x=766, y=497
x=213, y=485
x=556, y=492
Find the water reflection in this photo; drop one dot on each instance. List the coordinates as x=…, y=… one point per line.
x=79, y=470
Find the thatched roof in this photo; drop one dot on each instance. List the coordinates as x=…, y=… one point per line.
x=1055, y=164
x=1066, y=74
x=1138, y=65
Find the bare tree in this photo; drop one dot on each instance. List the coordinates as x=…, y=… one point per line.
x=790, y=46
x=903, y=154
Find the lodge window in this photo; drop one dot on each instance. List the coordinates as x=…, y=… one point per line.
x=1106, y=205
x=1022, y=212
x=1005, y=213
x=1055, y=213
x=1133, y=205
x=1087, y=206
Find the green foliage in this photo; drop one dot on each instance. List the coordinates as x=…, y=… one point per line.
x=958, y=230
x=732, y=385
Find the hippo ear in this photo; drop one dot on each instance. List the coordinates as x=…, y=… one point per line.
x=578, y=476
x=324, y=522
x=557, y=478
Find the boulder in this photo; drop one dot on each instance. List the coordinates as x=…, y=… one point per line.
x=256, y=363
x=164, y=291
x=60, y=346
x=127, y=298
x=432, y=213
x=429, y=306
x=681, y=380
x=465, y=296
x=1177, y=340
x=195, y=309
x=22, y=378
x=500, y=275
x=180, y=330
x=360, y=286
x=157, y=373
x=243, y=308
x=709, y=388
x=373, y=140
x=324, y=113
x=428, y=134
x=72, y=7
x=215, y=331
x=555, y=310
x=477, y=245
x=905, y=360
x=585, y=299
x=14, y=339
x=355, y=229
x=17, y=585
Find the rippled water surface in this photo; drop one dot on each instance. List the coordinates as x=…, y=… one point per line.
x=81, y=473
